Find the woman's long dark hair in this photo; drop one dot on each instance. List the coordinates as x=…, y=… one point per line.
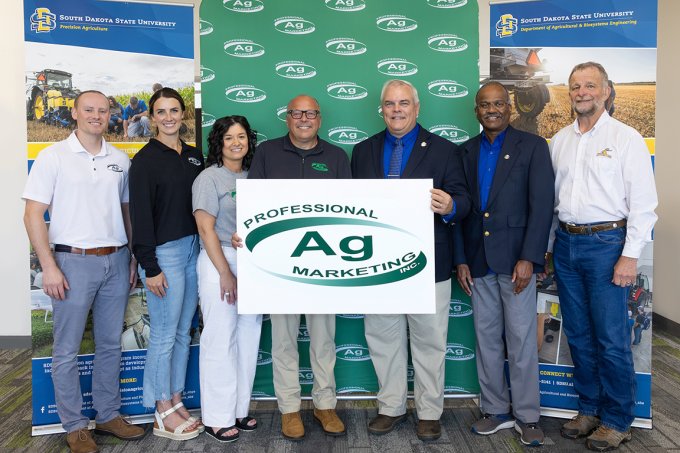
x=216, y=137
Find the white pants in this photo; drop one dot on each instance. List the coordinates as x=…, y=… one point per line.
x=229, y=345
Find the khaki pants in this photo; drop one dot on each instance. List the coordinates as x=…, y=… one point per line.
x=387, y=343
x=286, y=361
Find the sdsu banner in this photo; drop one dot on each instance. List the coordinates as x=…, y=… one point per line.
x=116, y=48
x=322, y=246
x=256, y=55
x=534, y=46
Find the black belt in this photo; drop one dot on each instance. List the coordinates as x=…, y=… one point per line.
x=98, y=251
x=590, y=228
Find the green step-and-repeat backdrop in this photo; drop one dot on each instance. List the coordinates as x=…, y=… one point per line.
x=256, y=55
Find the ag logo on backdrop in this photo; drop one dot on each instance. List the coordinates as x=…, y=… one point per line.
x=323, y=246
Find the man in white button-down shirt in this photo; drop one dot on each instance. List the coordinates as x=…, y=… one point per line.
x=605, y=198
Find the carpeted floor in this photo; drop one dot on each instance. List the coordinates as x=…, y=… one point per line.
x=15, y=429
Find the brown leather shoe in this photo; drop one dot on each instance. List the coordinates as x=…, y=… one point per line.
x=81, y=441
x=120, y=428
x=330, y=422
x=292, y=427
x=383, y=424
x=428, y=430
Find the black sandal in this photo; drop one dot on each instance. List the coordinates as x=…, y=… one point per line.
x=219, y=435
x=243, y=424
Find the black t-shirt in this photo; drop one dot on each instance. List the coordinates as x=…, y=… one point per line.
x=160, y=199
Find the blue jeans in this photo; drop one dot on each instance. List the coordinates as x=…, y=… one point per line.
x=595, y=318
x=99, y=283
x=170, y=318
x=637, y=332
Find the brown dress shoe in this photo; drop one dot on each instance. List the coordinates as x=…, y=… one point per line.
x=120, y=428
x=383, y=424
x=330, y=422
x=292, y=427
x=428, y=430
x=81, y=441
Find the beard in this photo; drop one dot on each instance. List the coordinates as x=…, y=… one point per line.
x=590, y=109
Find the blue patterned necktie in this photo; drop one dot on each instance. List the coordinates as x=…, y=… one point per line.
x=395, y=160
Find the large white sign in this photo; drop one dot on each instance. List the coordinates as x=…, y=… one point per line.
x=335, y=246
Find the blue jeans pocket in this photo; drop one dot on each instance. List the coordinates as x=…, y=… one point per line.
x=611, y=237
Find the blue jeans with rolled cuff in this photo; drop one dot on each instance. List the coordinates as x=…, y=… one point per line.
x=170, y=320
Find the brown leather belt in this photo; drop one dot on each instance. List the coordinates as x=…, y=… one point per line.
x=590, y=228
x=98, y=251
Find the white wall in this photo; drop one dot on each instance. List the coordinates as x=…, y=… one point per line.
x=667, y=232
x=15, y=317
x=14, y=280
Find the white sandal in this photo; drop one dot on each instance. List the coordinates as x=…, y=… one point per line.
x=192, y=419
x=179, y=432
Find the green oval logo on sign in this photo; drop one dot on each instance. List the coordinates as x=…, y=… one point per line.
x=447, y=43
x=282, y=112
x=243, y=48
x=207, y=74
x=306, y=376
x=447, y=89
x=263, y=358
x=451, y=133
x=346, y=91
x=397, y=67
x=345, y=135
x=205, y=27
x=294, y=25
x=447, y=3
x=244, y=6
x=207, y=119
x=346, y=5
x=245, y=94
x=345, y=46
x=396, y=23
x=352, y=353
x=332, y=251
x=295, y=70
x=458, y=309
x=457, y=352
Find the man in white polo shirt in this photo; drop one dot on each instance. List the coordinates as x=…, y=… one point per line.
x=83, y=181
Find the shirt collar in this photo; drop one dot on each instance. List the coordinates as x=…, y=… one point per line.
x=76, y=147
x=409, y=137
x=601, y=121
x=499, y=138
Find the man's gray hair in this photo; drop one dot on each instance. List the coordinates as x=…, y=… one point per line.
x=398, y=82
x=591, y=64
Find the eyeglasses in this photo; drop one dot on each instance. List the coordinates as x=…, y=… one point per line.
x=297, y=114
x=497, y=104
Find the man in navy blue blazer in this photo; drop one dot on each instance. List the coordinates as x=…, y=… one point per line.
x=407, y=150
x=499, y=248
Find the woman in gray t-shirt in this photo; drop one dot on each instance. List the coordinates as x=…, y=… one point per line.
x=229, y=342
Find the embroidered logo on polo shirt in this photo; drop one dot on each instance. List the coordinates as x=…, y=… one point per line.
x=194, y=161
x=114, y=167
x=605, y=153
x=319, y=167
